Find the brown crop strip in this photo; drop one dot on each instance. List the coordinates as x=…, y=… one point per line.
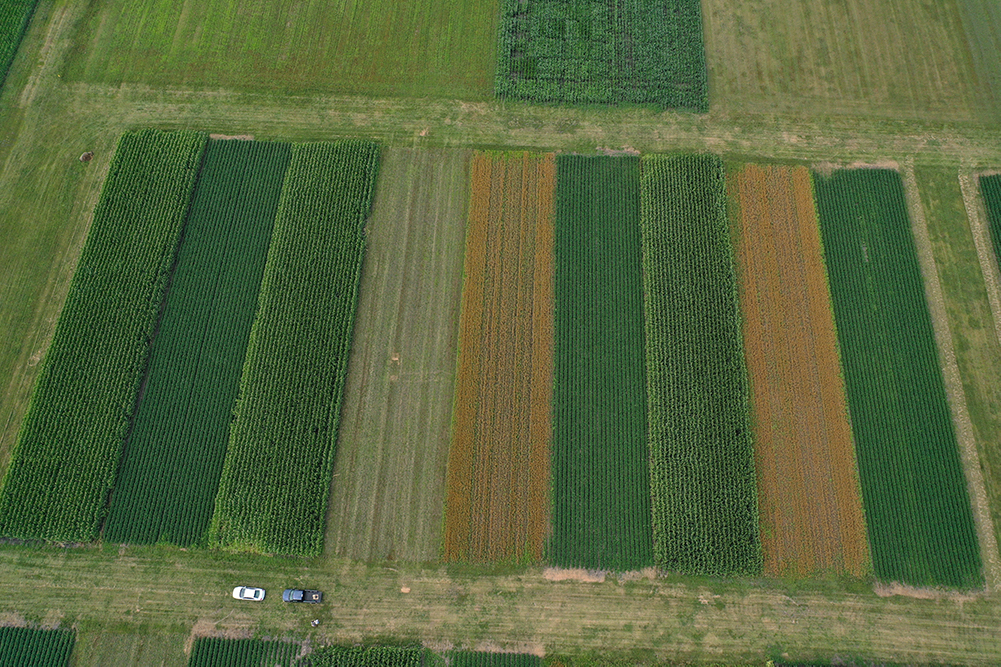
x=497, y=505
x=811, y=512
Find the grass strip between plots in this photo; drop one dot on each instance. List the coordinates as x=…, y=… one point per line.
x=705, y=509
x=917, y=506
x=603, y=52
x=276, y=478
x=14, y=18
x=30, y=647
x=218, y=652
x=68, y=449
x=169, y=474
x=600, y=466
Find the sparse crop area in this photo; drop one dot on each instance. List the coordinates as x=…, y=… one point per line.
x=917, y=505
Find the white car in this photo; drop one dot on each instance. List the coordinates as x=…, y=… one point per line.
x=248, y=593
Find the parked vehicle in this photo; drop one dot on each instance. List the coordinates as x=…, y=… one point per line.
x=296, y=595
x=248, y=593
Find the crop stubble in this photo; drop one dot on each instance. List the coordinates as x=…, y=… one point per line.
x=811, y=511
x=498, y=470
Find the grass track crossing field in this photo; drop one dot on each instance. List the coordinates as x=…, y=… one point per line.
x=601, y=52
x=703, y=484
x=276, y=477
x=811, y=509
x=388, y=494
x=418, y=48
x=600, y=469
x=217, y=652
x=68, y=449
x=169, y=473
x=917, y=507
x=497, y=504
x=29, y=647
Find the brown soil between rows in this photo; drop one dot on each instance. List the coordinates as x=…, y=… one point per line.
x=497, y=505
x=810, y=507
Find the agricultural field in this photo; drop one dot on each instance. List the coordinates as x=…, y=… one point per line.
x=497, y=502
x=388, y=492
x=169, y=472
x=484, y=659
x=14, y=17
x=370, y=656
x=854, y=58
x=918, y=511
x=600, y=468
x=30, y=647
x=69, y=445
x=276, y=476
x=703, y=484
x=808, y=490
x=597, y=52
x=216, y=652
x=417, y=48
x=990, y=189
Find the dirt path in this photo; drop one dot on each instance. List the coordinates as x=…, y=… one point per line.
x=953, y=384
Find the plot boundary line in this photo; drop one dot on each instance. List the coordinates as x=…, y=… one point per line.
x=968, y=454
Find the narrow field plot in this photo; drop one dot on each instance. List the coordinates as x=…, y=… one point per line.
x=388, y=492
x=703, y=484
x=169, y=473
x=600, y=459
x=918, y=512
x=482, y=659
x=808, y=493
x=217, y=652
x=497, y=505
x=371, y=656
x=14, y=18
x=68, y=449
x=421, y=48
x=275, y=481
x=119, y=648
x=853, y=57
x=990, y=190
x=30, y=647
x=596, y=51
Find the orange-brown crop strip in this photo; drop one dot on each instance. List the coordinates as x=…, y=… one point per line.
x=811, y=511
x=497, y=505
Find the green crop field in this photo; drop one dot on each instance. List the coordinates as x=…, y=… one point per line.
x=371, y=656
x=593, y=51
x=169, y=473
x=216, y=652
x=14, y=17
x=276, y=477
x=397, y=416
x=29, y=647
x=68, y=449
x=600, y=473
x=418, y=48
x=918, y=512
x=705, y=508
x=483, y=659
x=990, y=189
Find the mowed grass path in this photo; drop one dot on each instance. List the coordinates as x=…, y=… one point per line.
x=414, y=48
x=389, y=478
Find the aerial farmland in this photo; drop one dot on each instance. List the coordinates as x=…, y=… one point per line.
x=514, y=333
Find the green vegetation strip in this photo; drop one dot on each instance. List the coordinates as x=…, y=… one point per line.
x=169, y=475
x=67, y=452
x=990, y=188
x=917, y=506
x=603, y=52
x=705, y=510
x=29, y=647
x=14, y=18
x=276, y=477
x=216, y=652
x=482, y=659
x=600, y=470
x=371, y=656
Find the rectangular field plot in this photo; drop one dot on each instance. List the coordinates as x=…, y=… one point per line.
x=851, y=57
x=918, y=512
x=600, y=469
x=276, y=477
x=703, y=485
x=990, y=190
x=67, y=453
x=14, y=18
x=497, y=504
x=421, y=48
x=169, y=473
x=30, y=647
x=603, y=52
x=388, y=492
x=811, y=511
x=217, y=652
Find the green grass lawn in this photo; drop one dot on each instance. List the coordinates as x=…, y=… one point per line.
x=413, y=48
